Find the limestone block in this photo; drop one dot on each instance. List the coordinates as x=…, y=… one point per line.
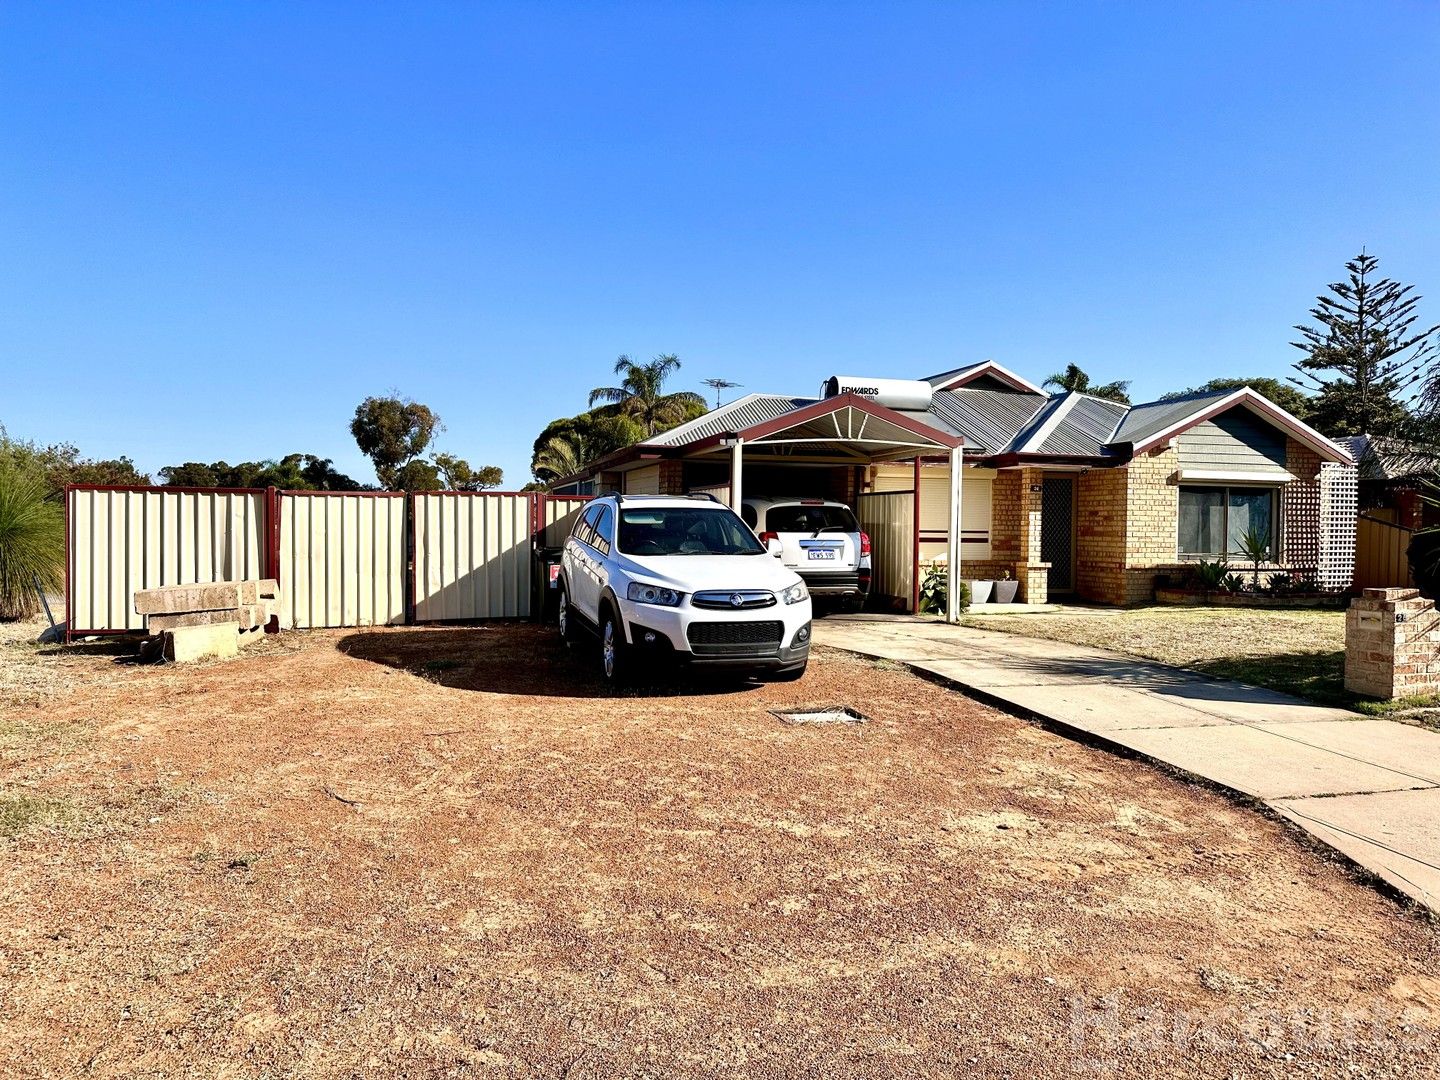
x=187, y=644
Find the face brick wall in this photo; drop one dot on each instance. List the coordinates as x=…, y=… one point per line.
x=1100, y=535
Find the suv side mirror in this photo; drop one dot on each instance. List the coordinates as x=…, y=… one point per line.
x=774, y=547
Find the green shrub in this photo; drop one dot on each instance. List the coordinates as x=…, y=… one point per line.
x=935, y=591
x=1211, y=574
x=32, y=541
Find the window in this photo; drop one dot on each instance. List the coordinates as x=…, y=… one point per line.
x=600, y=540
x=1214, y=520
x=684, y=530
x=585, y=527
x=810, y=519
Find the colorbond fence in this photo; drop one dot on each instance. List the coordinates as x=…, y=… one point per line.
x=121, y=540
x=889, y=518
x=1380, y=559
x=473, y=556
x=342, y=558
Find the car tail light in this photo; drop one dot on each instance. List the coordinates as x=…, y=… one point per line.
x=766, y=537
x=864, y=543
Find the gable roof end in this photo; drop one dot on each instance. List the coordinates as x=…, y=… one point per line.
x=1157, y=429
x=957, y=378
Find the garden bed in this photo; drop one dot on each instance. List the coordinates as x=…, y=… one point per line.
x=1202, y=598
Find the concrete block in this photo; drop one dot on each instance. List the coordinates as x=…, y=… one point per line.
x=213, y=596
x=187, y=644
x=247, y=617
x=179, y=599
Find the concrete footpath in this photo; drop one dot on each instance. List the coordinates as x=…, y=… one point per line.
x=1368, y=788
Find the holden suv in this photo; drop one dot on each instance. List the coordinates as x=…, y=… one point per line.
x=680, y=578
x=820, y=540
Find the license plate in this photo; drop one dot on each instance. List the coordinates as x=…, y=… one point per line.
x=821, y=553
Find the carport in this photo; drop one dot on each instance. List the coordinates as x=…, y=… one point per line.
x=846, y=430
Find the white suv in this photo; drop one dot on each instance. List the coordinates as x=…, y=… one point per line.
x=820, y=540
x=680, y=578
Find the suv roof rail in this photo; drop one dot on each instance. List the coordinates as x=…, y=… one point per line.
x=612, y=491
x=703, y=495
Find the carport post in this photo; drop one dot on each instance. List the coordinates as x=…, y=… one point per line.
x=952, y=592
x=737, y=461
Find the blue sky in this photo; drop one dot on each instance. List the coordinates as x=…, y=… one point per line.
x=224, y=225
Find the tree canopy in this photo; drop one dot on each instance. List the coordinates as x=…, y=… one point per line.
x=1286, y=395
x=1074, y=380
x=296, y=472
x=641, y=394
x=1364, y=353
x=59, y=464
x=394, y=433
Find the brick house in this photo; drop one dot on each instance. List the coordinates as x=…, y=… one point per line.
x=1072, y=495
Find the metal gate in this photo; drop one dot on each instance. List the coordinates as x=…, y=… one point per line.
x=1057, y=531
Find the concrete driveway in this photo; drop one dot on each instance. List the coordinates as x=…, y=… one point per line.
x=1368, y=788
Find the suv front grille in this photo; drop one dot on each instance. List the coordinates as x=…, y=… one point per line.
x=735, y=638
x=724, y=599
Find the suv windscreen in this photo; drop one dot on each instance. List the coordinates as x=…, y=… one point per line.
x=684, y=530
x=810, y=519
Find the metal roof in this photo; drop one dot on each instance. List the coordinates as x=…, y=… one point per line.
x=989, y=419
x=992, y=422
x=739, y=414
x=1143, y=421
x=1085, y=430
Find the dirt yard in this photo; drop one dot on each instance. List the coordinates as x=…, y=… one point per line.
x=447, y=852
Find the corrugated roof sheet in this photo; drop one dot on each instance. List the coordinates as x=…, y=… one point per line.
x=736, y=416
x=1148, y=419
x=946, y=376
x=989, y=419
x=1085, y=429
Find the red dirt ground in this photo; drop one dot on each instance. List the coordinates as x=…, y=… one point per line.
x=421, y=852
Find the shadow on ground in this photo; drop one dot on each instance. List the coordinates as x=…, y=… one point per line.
x=518, y=658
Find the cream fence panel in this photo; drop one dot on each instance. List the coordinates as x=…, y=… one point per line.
x=473, y=555
x=122, y=540
x=342, y=559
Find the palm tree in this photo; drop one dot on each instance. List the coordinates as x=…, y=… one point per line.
x=1074, y=380
x=563, y=455
x=640, y=394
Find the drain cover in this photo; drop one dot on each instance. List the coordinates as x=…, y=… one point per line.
x=830, y=714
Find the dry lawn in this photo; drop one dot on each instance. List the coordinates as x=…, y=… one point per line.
x=1300, y=651
x=448, y=852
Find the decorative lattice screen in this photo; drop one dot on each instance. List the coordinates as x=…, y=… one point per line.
x=1339, y=506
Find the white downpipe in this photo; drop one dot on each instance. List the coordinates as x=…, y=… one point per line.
x=737, y=461
x=952, y=605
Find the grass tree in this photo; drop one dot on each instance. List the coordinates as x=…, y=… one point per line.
x=32, y=541
x=641, y=394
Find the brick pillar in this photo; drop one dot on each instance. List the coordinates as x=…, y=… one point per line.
x=672, y=477
x=1030, y=570
x=1392, y=644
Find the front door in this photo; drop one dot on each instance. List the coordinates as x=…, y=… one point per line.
x=1057, y=530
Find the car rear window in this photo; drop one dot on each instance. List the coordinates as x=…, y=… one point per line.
x=810, y=519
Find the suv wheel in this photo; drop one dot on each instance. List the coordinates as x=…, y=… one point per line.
x=567, y=619
x=614, y=652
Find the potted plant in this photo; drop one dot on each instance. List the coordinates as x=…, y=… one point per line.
x=980, y=591
x=1006, y=588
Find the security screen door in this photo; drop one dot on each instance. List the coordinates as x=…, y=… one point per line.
x=1057, y=530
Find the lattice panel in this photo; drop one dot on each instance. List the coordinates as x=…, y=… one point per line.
x=1339, y=507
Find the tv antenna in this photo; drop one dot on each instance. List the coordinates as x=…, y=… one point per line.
x=718, y=385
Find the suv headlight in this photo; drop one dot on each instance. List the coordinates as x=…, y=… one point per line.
x=653, y=594
x=795, y=593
